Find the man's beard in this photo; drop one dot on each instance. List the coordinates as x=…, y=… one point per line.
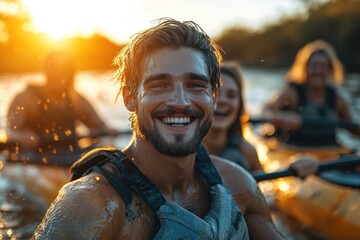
x=179, y=148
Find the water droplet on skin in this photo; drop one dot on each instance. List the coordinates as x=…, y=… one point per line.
x=68, y=132
x=56, y=137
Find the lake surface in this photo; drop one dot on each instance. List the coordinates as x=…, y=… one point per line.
x=20, y=213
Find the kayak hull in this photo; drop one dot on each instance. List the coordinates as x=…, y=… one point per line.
x=330, y=209
x=325, y=207
x=40, y=180
x=42, y=175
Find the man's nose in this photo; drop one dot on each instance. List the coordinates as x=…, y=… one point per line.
x=179, y=97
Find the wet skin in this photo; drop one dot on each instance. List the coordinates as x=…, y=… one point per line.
x=90, y=208
x=173, y=81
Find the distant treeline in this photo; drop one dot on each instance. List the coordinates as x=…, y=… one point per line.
x=335, y=21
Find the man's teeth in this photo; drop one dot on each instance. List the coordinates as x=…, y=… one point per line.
x=176, y=120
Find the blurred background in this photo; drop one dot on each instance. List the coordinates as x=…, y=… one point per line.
x=260, y=34
x=263, y=35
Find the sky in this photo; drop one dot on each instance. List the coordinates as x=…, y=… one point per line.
x=119, y=19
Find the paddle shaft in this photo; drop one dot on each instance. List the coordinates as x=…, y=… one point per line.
x=10, y=144
x=309, y=122
x=329, y=165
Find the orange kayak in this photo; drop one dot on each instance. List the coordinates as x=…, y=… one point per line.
x=328, y=208
x=41, y=175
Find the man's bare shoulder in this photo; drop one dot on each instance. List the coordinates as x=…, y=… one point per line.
x=89, y=205
x=235, y=177
x=92, y=183
x=21, y=97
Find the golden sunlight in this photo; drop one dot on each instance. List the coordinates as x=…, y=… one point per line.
x=52, y=17
x=66, y=18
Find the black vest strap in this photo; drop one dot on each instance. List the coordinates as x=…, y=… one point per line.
x=141, y=185
x=97, y=156
x=206, y=168
x=93, y=160
x=117, y=182
x=331, y=97
x=131, y=178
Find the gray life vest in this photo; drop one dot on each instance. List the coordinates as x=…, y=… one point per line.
x=223, y=221
x=309, y=135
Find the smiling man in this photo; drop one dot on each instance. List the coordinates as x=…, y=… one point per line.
x=163, y=185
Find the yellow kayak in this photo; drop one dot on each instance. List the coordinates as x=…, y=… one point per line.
x=323, y=206
x=328, y=208
x=42, y=175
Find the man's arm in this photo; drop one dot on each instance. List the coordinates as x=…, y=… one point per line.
x=249, y=198
x=257, y=216
x=18, y=119
x=280, y=110
x=87, y=115
x=86, y=207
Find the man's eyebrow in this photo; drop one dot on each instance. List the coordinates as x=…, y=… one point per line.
x=162, y=76
x=159, y=76
x=198, y=76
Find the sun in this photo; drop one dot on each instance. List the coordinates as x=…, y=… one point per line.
x=54, y=18
x=58, y=18
x=67, y=18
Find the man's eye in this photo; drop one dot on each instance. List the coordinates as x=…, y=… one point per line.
x=198, y=86
x=158, y=86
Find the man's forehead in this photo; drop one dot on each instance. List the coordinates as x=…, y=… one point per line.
x=175, y=62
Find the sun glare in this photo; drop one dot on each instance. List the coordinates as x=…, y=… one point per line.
x=51, y=17
x=64, y=18
x=118, y=19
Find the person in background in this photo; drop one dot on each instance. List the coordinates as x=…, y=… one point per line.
x=163, y=185
x=225, y=137
x=43, y=118
x=311, y=93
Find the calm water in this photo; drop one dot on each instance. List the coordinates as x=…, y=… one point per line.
x=20, y=212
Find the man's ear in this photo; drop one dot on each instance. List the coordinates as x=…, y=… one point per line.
x=129, y=99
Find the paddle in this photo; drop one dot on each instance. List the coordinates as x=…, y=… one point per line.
x=311, y=122
x=342, y=162
x=93, y=135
